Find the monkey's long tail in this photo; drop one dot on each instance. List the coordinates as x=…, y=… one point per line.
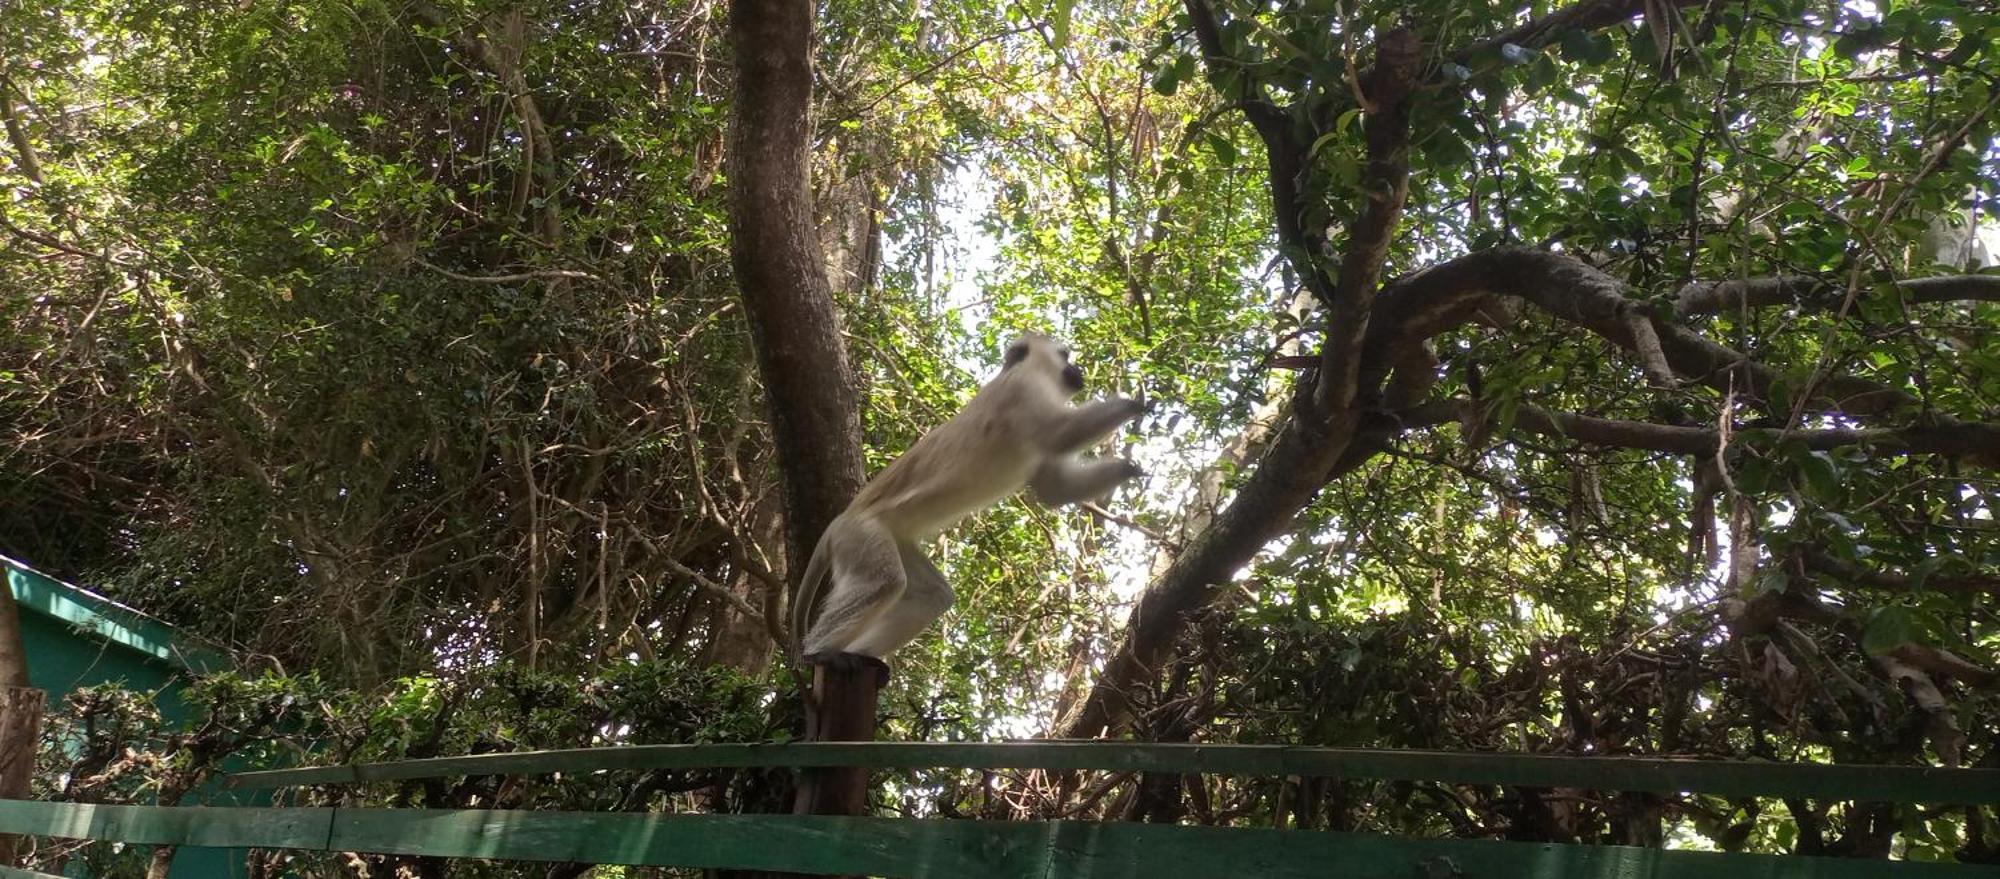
x=802, y=604
x=808, y=594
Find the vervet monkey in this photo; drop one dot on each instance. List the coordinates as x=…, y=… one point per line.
x=1018, y=430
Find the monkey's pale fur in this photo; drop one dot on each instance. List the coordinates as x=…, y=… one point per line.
x=1018, y=430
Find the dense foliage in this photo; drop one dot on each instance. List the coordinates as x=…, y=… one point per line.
x=398, y=341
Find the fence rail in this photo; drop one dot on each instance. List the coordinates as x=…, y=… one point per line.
x=960, y=849
x=1903, y=784
x=915, y=848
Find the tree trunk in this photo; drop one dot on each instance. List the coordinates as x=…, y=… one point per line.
x=781, y=274
x=21, y=708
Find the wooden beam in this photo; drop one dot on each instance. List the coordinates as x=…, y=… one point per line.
x=918, y=848
x=221, y=827
x=1906, y=784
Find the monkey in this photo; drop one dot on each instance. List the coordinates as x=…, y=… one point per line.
x=1018, y=430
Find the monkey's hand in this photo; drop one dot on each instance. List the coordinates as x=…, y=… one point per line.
x=1069, y=481
x=1090, y=423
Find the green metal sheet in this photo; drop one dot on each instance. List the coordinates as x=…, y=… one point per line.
x=97, y=617
x=1913, y=784
x=922, y=848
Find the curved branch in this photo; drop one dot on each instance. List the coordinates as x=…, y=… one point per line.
x=1574, y=292
x=1815, y=294
x=1841, y=569
x=1293, y=468
x=1283, y=152
x=1386, y=181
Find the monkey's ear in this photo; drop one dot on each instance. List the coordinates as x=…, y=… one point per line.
x=1016, y=353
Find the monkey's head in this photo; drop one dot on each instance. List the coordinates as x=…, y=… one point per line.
x=1040, y=354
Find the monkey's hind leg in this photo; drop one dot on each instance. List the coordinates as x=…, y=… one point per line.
x=866, y=580
x=926, y=597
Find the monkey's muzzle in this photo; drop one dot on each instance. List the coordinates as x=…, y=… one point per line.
x=1073, y=378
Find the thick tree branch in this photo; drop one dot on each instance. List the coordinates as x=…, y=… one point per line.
x=1841, y=569
x=1576, y=293
x=1815, y=294
x=1304, y=452
x=1284, y=153
x=17, y=133
x=1588, y=15
x=1386, y=185
x=1291, y=471
x=781, y=275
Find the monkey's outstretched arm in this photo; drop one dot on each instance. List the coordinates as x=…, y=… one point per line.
x=1085, y=425
x=1067, y=480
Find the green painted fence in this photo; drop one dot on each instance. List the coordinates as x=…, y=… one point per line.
x=1903, y=784
x=918, y=848
x=958, y=849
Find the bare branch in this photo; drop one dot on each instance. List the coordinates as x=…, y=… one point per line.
x=1973, y=441
x=515, y=278
x=1646, y=344
x=1804, y=291
x=714, y=590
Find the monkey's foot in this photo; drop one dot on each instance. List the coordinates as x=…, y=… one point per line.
x=843, y=661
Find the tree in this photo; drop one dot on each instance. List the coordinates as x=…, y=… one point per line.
x=1375, y=359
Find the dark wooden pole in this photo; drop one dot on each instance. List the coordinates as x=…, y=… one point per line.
x=842, y=709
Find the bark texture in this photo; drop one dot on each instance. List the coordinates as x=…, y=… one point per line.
x=781, y=275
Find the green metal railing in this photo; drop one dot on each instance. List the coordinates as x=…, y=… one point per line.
x=1009, y=849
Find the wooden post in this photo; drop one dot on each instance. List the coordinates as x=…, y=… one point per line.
x=841, y=708
x=21, y=707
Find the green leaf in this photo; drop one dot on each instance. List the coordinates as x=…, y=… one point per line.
x=1224, y=148
x=1821, y=473
x=1890, y=627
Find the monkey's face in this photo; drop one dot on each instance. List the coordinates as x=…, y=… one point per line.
x=1041, y=354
